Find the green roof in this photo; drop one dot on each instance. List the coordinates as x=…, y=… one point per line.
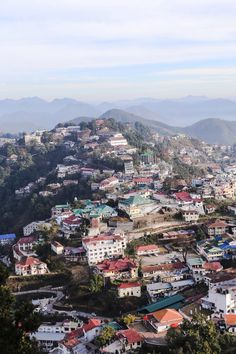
x=137, y=200
x=62, y=206
x=114, y=325
x=170, y=302
x=197, y=261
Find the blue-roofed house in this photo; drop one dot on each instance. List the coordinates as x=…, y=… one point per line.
x=7, y=238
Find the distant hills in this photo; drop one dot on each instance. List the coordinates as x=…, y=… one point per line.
x=189, y=115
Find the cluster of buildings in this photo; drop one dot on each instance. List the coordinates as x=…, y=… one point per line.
x=132, y=203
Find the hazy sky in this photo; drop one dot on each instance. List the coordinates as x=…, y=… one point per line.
x=112, y=49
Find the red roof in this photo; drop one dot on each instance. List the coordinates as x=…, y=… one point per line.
x=129, y=285
x=29, y=261
x=183, y=196
x=216, y=266
x=93, y=323
x=116, y=265
x=72, y=220
x=144, y=248
x=79, y=332
x=27, y=239
x=217, y=223
x=130, y=334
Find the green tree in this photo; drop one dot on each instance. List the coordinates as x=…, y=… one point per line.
x=96, y=283
x=199, y=336
x=4, y=274
x=128, y=319
x=16, y=322
x=107, y=334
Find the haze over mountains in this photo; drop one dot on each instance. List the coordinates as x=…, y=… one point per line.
x=213, y=120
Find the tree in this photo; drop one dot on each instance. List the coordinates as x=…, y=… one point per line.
x=96, y=283
x=107, y=334
x=16, y=322
x=4, y=274
x=127, y=320
x=199, y=336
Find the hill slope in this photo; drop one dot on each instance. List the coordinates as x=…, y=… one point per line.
x=123, y=116
x=213, y=131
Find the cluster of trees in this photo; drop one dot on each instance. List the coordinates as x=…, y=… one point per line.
x=106, y=336
x=17, y=321
x=199, y=336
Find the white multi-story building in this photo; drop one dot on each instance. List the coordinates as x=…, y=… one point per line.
x=221, y=298
x=118, y=140
x=30, y=266
x=190, y=215
x=105, y=246
x=35, y=226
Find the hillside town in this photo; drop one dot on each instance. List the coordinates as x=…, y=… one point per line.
x=129, y=234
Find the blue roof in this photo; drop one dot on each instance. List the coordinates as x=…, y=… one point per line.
x=218, y=238
x=7, y=237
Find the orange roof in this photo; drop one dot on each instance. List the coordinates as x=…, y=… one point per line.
x=167, y=316
x=217, y=223
x=230, y=319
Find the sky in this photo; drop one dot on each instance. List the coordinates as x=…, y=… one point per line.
x=101, y=50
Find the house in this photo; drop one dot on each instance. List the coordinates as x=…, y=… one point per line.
x=135, y=205
x=217, y=227
x=221, y=298
x=166, y=271
x=103, y=246
x=210, y=252
x=143, y=181
x=162, y=320
x=121, y=268
x=179, y=235
x=35, y=226
x=30, y=266
x=129, y=289
x=49, y=335
x=117, y=140
x=72, y=222
x=131, y=339
x=25, y=247
x=190, y=215
x=109, y=183
x=57, y=210
x=210, y=208
x=199, y=268
x=155, y=289
x=57, y=247
x=183, y=198
x=7, y=238
x=125, y=341
x=103, y=212
x=77, y=341
x=144, y=250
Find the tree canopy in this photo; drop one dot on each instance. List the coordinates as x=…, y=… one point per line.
x=199, y=336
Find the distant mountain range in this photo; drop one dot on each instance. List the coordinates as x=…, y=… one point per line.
x=189, y=115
